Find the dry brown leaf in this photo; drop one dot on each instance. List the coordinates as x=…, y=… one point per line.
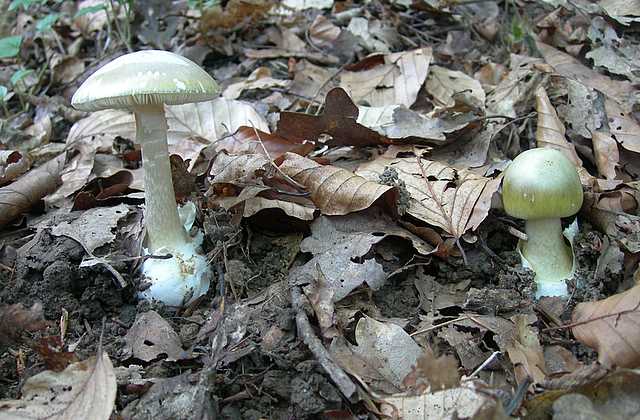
x=240, y=170
x=605, y=150
x=323, y=33
x=393, y=79
x=16, y=319
x=453, y=200
x=623, y=127
x=91, y=22
x=299, y=211
x=620, y=91
x=526, y=353
x=12, y=165
x=84, y=390
x=30, y=188
x=339, y=120
x=433, y=373
x=247, y=140
x=333, y=190
x=511, y=96
x=550, y=131
x=610, y=326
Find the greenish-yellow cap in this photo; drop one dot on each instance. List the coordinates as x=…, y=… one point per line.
x=541, y=184
x=150, y=77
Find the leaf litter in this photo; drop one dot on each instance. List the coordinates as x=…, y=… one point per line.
x=348, y=180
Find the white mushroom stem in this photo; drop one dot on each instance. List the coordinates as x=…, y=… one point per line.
x=161, y=215
x=548, y=255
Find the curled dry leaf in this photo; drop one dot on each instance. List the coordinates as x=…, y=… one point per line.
x=12, y=165
x=526, y=352
x=151, y=336
x=511, y=96
x=30, y=188
x=333, y=190
x=260, y=78
x=247, y=140
x=453, y=200
x=449, y=87
x=84, y=390
x=610, y=326
x=550, y=131
x=393, y=79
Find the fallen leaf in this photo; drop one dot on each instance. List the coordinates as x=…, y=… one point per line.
x=623, y=127
x=151, y=337
x=625, y=12
x=550, y=131
x=94, y=227
x=464, y=402
x=610, y=326
x=383, y=357
x=260, y=78
x=339, y=120
x=511, y=97
x=453, y=200
x=16, y=320
x=335, y=191
x=247, y=140
x=29, y=189
x=584, y=112
x=84, y=390
x=433, y=373
x=393, y=79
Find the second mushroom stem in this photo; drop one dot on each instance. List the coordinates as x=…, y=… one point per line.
x=163, y=224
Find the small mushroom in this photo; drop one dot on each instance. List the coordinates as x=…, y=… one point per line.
x=541, y=186
x=144, y=82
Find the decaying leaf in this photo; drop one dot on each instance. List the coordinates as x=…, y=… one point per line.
x=30, y=188
x=151, y=337
x=84, y=390
x=623, y=127
x=610, y=326
x=605, y=150
x=393, y=79
x=550, y=131
x=433, y=373
x=511, y=96
x=249, y=140
x=260, y=78
x=333, y=190
x=453, y=200
x=16, y=319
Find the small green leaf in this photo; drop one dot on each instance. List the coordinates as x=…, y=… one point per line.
x=47, y=22
x=10, y=46
x=3, y=92
x=20, y=75
x=90, y=9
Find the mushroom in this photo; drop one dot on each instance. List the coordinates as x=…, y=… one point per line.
x=144, y=82
x=541, y=186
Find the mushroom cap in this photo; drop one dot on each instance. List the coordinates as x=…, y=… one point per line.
x=150, y=77
x=540, y=184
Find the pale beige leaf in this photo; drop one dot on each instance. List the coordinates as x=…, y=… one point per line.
x=84, y=390
x=605, y=150
x=260, y=78
x=333, y=190
x=621, y=91
x=623, y=127
x=395, y=81
x=448, y=87
x=323, y=33
x=453, y=200
x=103, y=127
x=253, y=205
x=238, y=169
x=550, y=131
x=624, y=11
x=454, y=403
x=91, y=22
x=610, y=326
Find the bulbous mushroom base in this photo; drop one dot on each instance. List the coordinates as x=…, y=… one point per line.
x=179, y=280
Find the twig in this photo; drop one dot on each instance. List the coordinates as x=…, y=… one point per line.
x=597, y=318
x=339, y=377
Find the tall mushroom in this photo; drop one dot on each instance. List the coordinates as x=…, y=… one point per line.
x=144, y=82
x=541, y=186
